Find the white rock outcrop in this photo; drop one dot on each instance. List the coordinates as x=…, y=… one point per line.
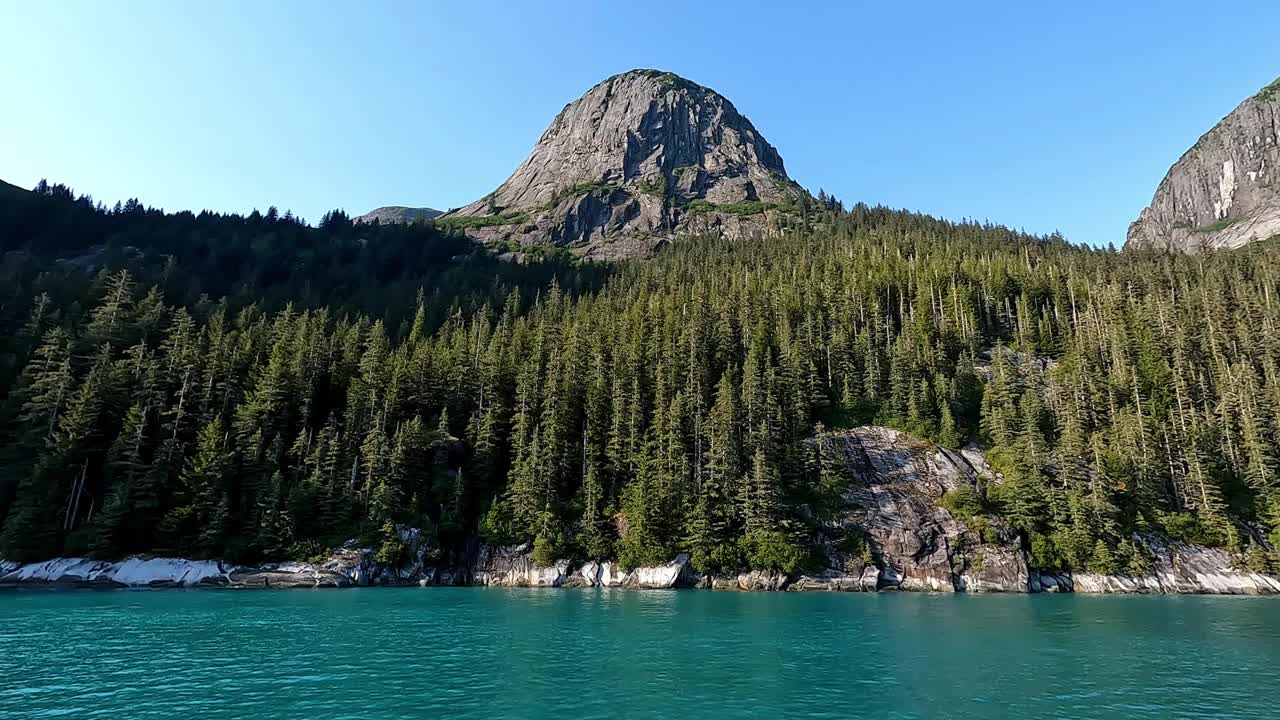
x=1178, y=568
x=675, y=574
x=835, y=581
x=135, y=571
x=152, y=571
x=611, y=575
x=513, y=566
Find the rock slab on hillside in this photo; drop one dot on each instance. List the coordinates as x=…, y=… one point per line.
x=1224, y=192
x=131, y=572
x=1178, y=568
x=897, y=482
x=641, y=157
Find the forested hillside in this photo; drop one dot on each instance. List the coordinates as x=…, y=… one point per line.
x=668, y=405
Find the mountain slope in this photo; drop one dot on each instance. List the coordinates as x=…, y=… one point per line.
x=1224, y=191
x=7, y=189
x=639, y=158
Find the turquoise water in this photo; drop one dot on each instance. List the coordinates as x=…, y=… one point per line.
x=481, y=653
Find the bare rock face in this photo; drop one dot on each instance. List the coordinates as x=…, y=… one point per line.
x=398, y=214
x=759, y=580
x=287, y=576
x=1225, y=191
x=676, y=574
x=897, y=483
x=1178, y=568
x=351, y=565
x=638, y=159
x=514, y=567
x=135, y=571
x=839, y=580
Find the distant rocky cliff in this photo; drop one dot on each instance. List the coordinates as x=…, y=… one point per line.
x=398, y=214
x=638, y=159
x=905, y=540
x=1225, y=191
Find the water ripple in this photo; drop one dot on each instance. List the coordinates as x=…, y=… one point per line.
x=475, y=653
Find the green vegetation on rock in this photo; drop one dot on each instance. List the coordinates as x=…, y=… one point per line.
x=753, y=207
x=476, y=221
x=653, y=185
x=1217, y=226
x=1269, y=92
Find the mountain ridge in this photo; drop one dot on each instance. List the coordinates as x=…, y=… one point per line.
x=398, y=214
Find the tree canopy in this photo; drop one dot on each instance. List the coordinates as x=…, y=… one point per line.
x=253, y=387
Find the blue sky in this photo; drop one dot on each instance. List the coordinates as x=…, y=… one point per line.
x=1059, y=118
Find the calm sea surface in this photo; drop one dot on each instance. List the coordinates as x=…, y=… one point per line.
x=482, y=653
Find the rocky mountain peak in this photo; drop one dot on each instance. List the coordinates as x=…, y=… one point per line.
x=1225, y=191
x=641, y=157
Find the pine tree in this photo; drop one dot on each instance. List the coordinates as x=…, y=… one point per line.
x=110, y=319
x=204, y=478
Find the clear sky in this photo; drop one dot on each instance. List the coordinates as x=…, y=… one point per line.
x=1061, y=118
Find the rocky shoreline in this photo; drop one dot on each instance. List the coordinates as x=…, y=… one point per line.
x=1181, y=569
x=907, y=542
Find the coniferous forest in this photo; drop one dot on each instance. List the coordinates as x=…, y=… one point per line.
x=252, y=387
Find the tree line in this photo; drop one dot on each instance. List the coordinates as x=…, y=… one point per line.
x=659, y=406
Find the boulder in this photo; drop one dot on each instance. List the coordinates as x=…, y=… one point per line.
x=766, y=580
x=832, y=582
x=553, y=576
x=596, y=574
x=675, y=574
x=611, y=575
x=587, y=576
